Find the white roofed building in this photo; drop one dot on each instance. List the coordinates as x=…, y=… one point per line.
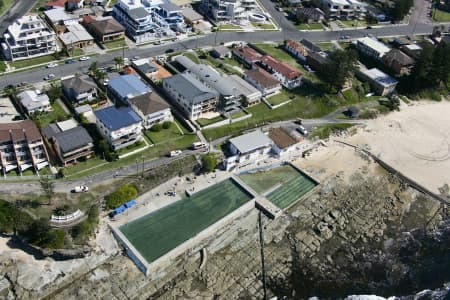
x=381, y=83
x=372, y=47
x=76, y=37
x=344, y=9
x=35, y=101
x=28, y=37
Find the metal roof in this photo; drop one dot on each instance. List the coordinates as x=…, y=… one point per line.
x=115, y=118
x=128, y=86
x=73, y=139
x=380, y=77
x=191, y=88
x=251, y=141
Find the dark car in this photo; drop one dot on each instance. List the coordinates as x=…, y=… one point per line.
x=70, y=61
x=369, y=27
x=170, y=50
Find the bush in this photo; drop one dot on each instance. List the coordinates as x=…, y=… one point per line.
x=209, y=162
x=166, y=124
x=156, y=128
x=85, y=229
x=123, y=194
x=12, y=219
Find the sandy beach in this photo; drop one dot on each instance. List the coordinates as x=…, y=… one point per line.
x=415, y=140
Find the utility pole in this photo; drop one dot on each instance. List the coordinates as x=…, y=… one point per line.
x=263, y=267
x=137, y=167
x=143, y=167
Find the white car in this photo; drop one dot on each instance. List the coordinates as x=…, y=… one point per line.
x=49, y=76
x=52, y=65
x=83, y=58
x=302, y=130
x=80, y=189
x=175, y=153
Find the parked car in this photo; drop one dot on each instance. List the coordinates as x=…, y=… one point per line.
x=198, y=145
x=52, y=65
x=70, y=61
x=80, y=189
x=169, y=50
x=83, y=58
x=49, y=76
x=302, y=130
x=175, y=153
x=298, y=121
x=369, y=27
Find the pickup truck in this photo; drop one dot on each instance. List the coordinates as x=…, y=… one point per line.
x=80, y=189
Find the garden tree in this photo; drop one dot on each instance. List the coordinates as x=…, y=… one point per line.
x=93, y=67
x=156, y=128
x=105, y=151
x=166, y=124
x=54, y=92
x=47, y=187
x=12, y=220
x=10, y=90
x=338, y=67
x=401, y=9
x=99, y=75
x=209, y=162
x=101, y=95
x=441, y=63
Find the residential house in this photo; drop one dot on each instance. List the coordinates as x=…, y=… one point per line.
x=74, y=4
x=21, y=147
x=229, y=95
x=191, y=16
x=247, y=54
x=399, y=62
x=151, y=108
x=297, y=49
x=121, y=126
x=344, y=9
x=309, y=14
x=191, y=95
x=28, y=37
x=126, y=87
x=316, y=59
x=289, y=76
x=412, y=50
x=229, y=10
x=262, y=80
x=248, y=148
x=283, y=143
x=220, y=52
x=79, y=89
x=70, y=143
x=151, y=69
x=371, y=47
x=249, y=93
x=106, y=29
x=35, y=101
x=170, y=14
x=381, y=83
x=58, y=19
x=61, y=4
x=76, y=37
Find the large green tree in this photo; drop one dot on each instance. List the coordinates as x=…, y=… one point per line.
x=209, y=162
x=338, y=67
x=401, y=9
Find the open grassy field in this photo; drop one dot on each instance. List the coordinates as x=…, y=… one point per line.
x=33, y=61
x=204, y=122
x=441, y=16
x=157, y=233
x=264, y=180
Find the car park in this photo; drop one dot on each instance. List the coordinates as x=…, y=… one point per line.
x=49, y=76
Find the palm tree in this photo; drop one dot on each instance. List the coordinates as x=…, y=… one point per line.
x=93, y=68
x=119, y=61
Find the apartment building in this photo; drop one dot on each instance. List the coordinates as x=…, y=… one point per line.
x=121, y=126
x=191, y=95
x=229, y=10
x=28, y=37
x=289, y=76
x=372, y=47
x=21, y=147
x=344, y=9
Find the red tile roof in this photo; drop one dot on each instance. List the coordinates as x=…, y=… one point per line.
x=88, y=19
x=297, y=47
x=60, y=3
x=247, y=53
x=262, y=77
x=18, y=131
x=281, y=67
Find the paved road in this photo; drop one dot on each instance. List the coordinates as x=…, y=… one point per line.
x=420, y=13
x=18, y=9
x=36, y=75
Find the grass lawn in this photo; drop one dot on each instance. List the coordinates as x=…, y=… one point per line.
x=277, y=52
x=279, y=98
x=354, y=23
x=229, y=27
x=76, y=52
x=326, y=46
x=312, y=26
x=2, y=66
x=32, y=61
x=306, y=103
x=263, y=25
x=441, y=16
x=238, y=114
x=83, y=166
x=39, y=6
x=164, y=135
x=115, y=44
x=157, y=233
x=204, y=122
x=57, y=114
x=219, y=64
x=324, y=131
x=192, y=57
x=4, y=5
x=130, y=148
